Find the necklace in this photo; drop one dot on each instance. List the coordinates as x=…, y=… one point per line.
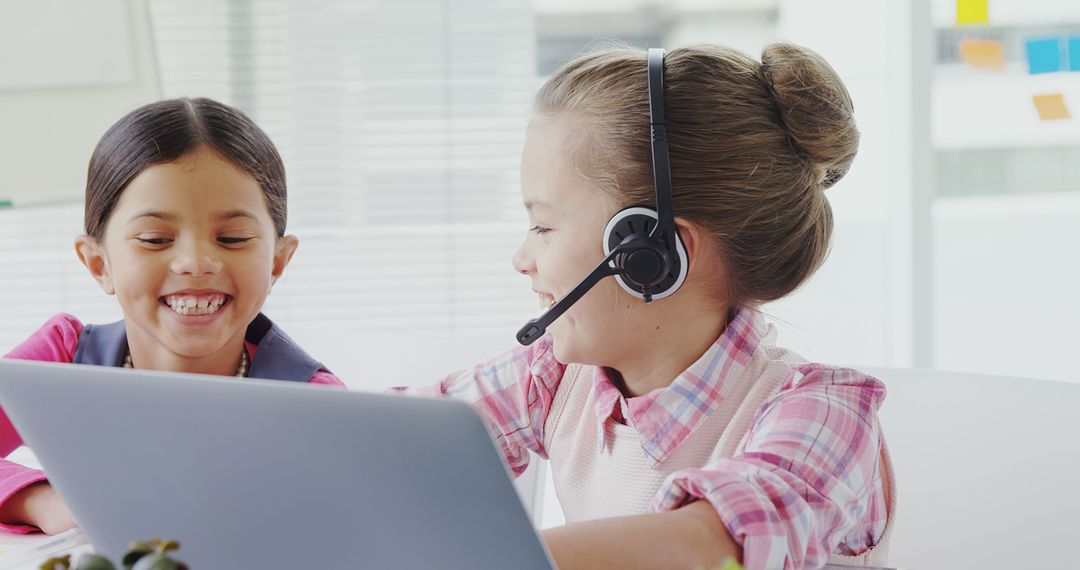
x=241, y=370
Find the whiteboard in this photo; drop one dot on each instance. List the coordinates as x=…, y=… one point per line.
x=57, y=43
x=68, y=70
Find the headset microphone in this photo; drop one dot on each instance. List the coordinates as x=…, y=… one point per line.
x=642, y=246
x=535, y=328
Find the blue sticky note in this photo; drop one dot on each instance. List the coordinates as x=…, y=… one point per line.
x=1044, y=55
x=1074, y=53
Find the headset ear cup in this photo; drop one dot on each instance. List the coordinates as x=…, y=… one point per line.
x=633, y=224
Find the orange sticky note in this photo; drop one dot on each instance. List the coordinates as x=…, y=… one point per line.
x=972, y=12
x=1051, y=107
x=988, y=54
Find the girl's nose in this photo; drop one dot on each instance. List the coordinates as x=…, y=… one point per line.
x=196, y=259
x=522, y=261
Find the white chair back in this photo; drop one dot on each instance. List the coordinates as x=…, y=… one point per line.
x=987, y=469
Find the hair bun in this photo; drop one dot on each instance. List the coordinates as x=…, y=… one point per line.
x=815, y=108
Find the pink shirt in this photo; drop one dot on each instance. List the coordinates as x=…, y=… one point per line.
x=57, y=341
x=804, y=483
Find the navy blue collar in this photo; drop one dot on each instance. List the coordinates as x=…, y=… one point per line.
x=277, y=357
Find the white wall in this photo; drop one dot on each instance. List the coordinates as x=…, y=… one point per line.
x=860, y=307
x=1006, y=277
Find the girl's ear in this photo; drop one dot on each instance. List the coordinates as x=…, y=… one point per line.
x=693, y=237
x=283, y=252
x=702, y=252
x=92, y=255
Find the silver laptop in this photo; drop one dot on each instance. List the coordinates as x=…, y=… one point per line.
x=262, y=474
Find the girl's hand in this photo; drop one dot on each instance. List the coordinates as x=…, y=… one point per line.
x=38, y=505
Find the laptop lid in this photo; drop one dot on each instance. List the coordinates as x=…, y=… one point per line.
x=250, y=473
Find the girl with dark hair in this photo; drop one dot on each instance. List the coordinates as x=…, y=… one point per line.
x=185, y=224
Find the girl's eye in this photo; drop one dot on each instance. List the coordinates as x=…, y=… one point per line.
x=539, y=230
x=155, y=241
x=233, y=240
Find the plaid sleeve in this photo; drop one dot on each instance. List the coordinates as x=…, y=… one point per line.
x=805, y=476
x=513, y=393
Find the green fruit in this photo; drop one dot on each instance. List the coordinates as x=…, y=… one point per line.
x=90, y=561
x=133, y=556
x=56, y=563
x=155, y=562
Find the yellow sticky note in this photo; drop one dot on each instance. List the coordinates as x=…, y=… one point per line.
x=988, y=54
x=972, y=12
x=1051, y=107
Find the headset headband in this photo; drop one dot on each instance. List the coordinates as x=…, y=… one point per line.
x=665, y=226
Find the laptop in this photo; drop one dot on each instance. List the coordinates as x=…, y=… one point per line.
x=248, y=473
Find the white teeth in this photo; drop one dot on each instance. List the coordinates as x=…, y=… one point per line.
x=546, y=301
x=191, y=305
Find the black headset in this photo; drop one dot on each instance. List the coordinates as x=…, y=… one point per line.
x=642, y=247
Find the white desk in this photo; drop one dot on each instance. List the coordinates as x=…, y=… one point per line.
x=27, y=552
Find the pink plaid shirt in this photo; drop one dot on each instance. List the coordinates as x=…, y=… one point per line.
x=804, y=483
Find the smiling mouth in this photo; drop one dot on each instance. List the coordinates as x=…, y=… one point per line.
x=191, y=305
x=547, y=301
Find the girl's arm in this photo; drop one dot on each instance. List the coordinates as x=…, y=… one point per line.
x=326, y=378
x=20, y=489
x=55, y=341
x=513, y=393
x=806, y=477
x=27, y=501
x=691, y=537
x=37, y=506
